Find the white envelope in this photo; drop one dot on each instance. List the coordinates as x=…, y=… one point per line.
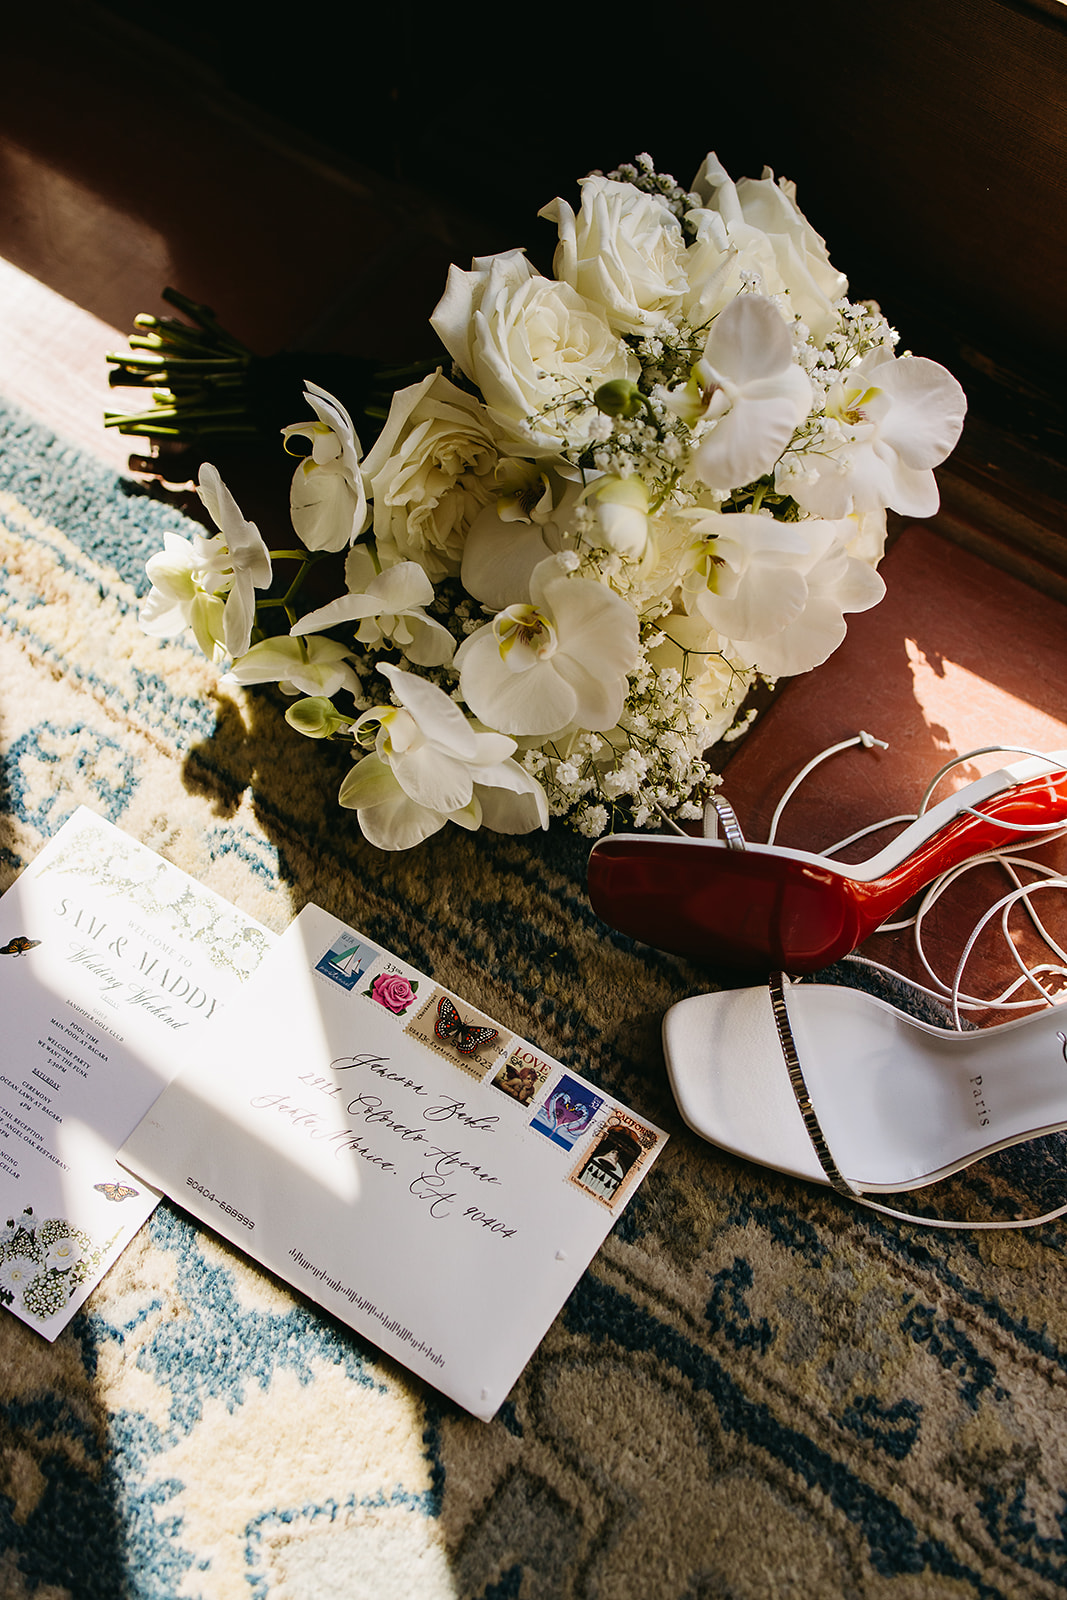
x=433, y=1180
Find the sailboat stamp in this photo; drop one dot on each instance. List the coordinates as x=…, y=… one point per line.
x=348, y=959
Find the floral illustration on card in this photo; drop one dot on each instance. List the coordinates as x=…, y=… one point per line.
x=42, y=1263
x=121, y=867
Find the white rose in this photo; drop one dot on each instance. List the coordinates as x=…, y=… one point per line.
x=529, y=342
x=754, y=226
x=430, y=473
x=624, y=252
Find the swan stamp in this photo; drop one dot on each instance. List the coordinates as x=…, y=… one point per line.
x=567, y=1112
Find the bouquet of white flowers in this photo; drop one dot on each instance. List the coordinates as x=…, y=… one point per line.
x=644, y=483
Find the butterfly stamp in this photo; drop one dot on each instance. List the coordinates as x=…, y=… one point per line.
x=455, y=1030
x=618, y=1152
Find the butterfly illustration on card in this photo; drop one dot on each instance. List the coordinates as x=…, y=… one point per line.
x=466, y=1036
x=19, y=945
x=116, y=1191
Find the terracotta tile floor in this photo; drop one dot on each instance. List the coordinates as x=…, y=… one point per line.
x=956, y=657
x=101, y=205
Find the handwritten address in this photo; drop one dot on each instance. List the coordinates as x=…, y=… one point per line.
x=378, y=1133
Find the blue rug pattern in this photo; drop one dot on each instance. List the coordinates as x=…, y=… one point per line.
x=756, y=1391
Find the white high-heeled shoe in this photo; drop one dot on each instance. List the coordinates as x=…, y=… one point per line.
x=835, y=1086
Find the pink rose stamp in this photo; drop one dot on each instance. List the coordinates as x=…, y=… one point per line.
x=393, y=991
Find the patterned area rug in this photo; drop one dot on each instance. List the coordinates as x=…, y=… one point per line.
x=757, y=1390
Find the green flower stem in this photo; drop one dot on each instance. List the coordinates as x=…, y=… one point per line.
x=187, y=415
x=149, y=358
x=160, y=430
x=666, y=493
x=203, y=378
x=204, y=318
x=285, y=602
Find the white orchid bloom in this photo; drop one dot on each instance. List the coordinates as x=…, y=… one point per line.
x=777, y=591
x=177, y=600
x=314, y=666
x=750, y=388
x=896, y=420
x=208, y=584
x=526, y=491
x=559, y=661
x=388, y=605
x=328, y=498
x=238, y=554
x=430, y=765
x=509, y=539
x=836, y=584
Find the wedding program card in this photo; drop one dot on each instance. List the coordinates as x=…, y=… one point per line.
x=432, y=1179
x=115, y=969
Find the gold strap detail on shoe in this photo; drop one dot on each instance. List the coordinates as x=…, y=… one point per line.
x=800, y=1088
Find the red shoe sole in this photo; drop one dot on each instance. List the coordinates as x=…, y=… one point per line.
x=758, y=910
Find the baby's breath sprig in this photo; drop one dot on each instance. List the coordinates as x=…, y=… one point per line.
x=641, y=172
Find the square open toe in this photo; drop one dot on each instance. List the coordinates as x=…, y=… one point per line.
x=838, y=1087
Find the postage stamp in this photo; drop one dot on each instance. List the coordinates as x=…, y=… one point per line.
x=393, y=988
x=522, y=1074
x=347, y=959
x=617, y=1154
x=455, y=1030
x=567, y=1111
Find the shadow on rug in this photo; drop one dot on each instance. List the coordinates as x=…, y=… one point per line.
x=756, y=1390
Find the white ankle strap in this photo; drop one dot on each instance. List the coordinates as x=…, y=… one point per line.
x=867, y=740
